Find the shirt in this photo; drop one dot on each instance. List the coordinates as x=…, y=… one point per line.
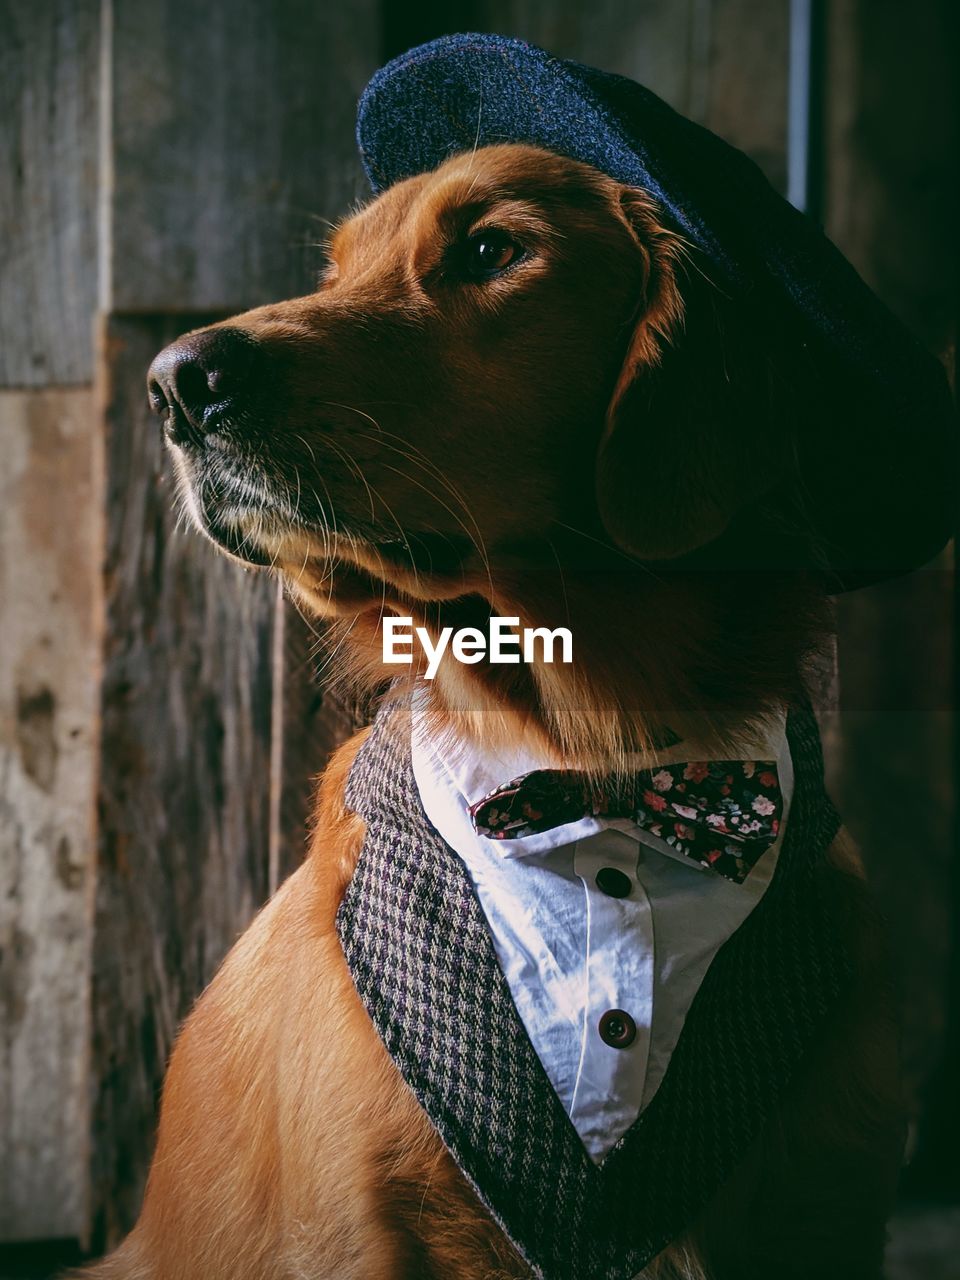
x=572, y=953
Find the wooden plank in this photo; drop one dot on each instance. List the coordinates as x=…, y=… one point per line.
x=48, y=158
x=739, y=82
x=228, y=140
x=891, y=184
x=184, y=781
x=230, y=128
x=50, y=602
x=892, y=158
x=892, y=778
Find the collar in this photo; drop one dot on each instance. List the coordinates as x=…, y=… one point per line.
x=470, y=770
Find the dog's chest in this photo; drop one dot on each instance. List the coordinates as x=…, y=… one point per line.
x=426, y=966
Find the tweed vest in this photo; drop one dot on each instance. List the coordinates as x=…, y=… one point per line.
x=423, y=962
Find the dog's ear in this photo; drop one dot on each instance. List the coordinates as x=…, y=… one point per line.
x=689, y=437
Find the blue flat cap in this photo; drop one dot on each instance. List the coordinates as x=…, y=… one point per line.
x=876, y=456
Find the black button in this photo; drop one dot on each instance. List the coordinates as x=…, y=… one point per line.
x=617, y=1029
x=614, y=883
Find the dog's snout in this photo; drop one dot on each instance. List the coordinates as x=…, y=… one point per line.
x=196, y=380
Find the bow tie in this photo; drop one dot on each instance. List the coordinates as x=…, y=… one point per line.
x=723, y=814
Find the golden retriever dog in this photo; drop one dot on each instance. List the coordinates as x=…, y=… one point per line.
x=447, y=429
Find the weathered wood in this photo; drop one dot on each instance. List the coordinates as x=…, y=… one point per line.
x=891, y=185
x=228, y=141
x=230, y=129
x=892, y=777
x=892, y=168
x=48, y=190
x=184, y=779
x=50, y=604
x=740, y=77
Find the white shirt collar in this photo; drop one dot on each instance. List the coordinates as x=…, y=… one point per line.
x=475, y=770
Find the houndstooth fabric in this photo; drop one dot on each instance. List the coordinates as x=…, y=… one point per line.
x=423, y=962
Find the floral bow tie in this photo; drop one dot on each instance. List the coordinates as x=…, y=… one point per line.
x=723, y=814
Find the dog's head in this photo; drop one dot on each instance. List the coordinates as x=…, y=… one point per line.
x=510, y=368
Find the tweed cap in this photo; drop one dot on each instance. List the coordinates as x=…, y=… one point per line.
x=876, y=450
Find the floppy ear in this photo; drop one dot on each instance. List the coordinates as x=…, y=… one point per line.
x=690, y=436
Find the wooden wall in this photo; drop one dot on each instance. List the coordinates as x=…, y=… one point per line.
x=50, y=597
x=170, y=163
x=892, y=206
x=159, y=724
x=50, y=607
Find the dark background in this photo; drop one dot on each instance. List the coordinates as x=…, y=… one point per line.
x=163, y=163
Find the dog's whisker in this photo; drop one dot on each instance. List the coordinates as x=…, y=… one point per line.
x=322, y=670
x=612, y=548
x=329, y=525
x=355, y=467
x=334, y=404
x=563, y=580
x=474, y=533
x=413, y=480
x=375, y=495
x=307, y=445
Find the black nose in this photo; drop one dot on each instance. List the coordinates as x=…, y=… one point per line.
x=199, y=379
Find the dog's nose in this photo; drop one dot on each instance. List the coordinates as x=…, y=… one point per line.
x=197, y=379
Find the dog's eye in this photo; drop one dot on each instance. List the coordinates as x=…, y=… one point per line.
x=490, y=252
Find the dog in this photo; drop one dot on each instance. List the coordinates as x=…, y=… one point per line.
x=447, y=428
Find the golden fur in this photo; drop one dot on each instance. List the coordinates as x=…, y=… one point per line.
x=539, y=424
